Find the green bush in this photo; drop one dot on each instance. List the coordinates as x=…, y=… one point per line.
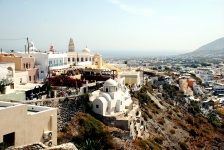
x=3, y=146
x=92, y=132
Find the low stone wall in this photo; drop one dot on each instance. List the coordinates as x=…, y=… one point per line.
x=41, y=146
x=67, y=108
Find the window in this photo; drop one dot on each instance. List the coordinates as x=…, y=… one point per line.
x=89, y=58
x=27, y=66
x=97, y=106
x=73, y=59
x=77, y=59
x=41, y=71
x=121, y=102
x=107, y=90
x=86, y=59
x=24, y=65
x=34, y=78
x=81, y=59
x=20, y=80
x=30, y=78
x=9, y=139
x=68, y=59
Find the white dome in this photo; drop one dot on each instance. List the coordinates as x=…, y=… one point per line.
x=110, y=82
x=86, y=50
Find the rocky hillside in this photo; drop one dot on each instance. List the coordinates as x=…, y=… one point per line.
x=212, y=49
x=169, y=126
x=215, y=45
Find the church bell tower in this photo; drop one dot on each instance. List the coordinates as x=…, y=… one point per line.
x=71, y=46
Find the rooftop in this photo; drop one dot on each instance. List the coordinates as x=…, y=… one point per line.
x=31, y=109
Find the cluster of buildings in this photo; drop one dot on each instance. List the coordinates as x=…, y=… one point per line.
x=24, y=72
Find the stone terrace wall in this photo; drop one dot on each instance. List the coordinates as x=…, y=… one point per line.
x=67, y=108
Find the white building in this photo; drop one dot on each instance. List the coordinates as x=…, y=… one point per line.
x=113, y=98
x=7, y=75
x=7, y=70
x=205, y=74
x=23, y=124
x=21, y=77
x=131, y=77
x=48, y=61
x=84, y=58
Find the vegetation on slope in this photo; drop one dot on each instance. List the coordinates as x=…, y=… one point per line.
x=86, y=132
x=181, y=126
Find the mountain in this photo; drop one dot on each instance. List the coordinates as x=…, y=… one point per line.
x=215, y=45
x=210, y=50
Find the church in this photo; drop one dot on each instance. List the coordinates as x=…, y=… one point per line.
x=84, y=58
x=112, y=98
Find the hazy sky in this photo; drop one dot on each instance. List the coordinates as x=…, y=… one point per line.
x=111, y=25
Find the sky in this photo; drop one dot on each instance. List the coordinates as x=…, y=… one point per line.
x=112, y=26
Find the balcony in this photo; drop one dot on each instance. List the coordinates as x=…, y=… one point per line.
x=55, y=65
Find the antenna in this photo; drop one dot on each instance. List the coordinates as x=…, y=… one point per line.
x=28, y=45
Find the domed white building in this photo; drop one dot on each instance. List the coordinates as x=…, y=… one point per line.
x=86, y=50
x=113, y=98
x=31, y=46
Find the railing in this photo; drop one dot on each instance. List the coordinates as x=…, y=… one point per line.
x=55, y=65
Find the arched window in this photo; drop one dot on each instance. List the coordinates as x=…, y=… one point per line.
x=107, y=90
x=10, y=72
x=81, y=59
x=86, y=59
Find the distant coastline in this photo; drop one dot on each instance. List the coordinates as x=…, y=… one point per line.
x=137, y=53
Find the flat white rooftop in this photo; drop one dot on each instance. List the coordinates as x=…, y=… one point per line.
x=31, y=109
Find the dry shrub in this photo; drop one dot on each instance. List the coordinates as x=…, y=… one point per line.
x=169, y=117
x=175, y=127
x=159, y=140
x=183, y=146
x=182, y=125
x=161, y=121
x=172, y=131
